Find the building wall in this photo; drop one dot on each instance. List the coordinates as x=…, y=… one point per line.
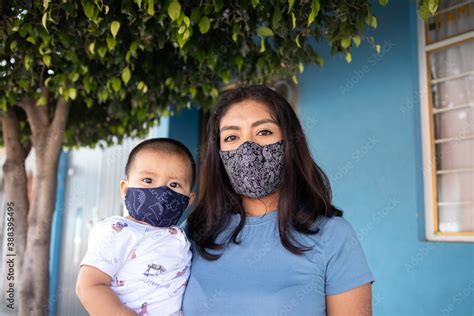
x=363, y=124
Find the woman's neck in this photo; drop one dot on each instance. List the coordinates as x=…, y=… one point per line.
x=259, y=207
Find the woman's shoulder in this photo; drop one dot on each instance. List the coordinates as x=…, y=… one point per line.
x=332, y=232
x=334, y=225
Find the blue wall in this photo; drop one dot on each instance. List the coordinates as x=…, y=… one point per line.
x=185, y=127
x=363, y=124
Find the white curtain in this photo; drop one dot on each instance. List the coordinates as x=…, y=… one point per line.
x=452, y=70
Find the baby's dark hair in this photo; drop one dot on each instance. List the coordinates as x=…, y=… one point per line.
x=168, y=145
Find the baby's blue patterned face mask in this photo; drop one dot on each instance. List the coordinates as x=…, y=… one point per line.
x=255, y=171
x=159, y=207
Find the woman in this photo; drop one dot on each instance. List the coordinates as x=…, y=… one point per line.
x=266, y=238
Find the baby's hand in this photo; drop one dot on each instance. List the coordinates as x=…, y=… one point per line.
x=94, y=292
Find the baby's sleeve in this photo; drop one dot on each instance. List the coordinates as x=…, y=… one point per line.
x=108, y=247
x=346, y=265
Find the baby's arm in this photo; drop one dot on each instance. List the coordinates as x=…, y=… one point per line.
x=95, y=294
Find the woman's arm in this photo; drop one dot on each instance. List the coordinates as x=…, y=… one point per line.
x=357, y=301
x=95, y=294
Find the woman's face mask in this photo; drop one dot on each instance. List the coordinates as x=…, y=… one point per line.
x=159, y=207
x=254, y=171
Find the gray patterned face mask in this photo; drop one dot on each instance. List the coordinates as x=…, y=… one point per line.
x=254, y=171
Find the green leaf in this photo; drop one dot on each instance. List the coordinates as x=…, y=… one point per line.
x=204, y=24
x=297, y=40
x=348, y=57
x=373, y=22
x=102, y=51
x=46, y=4
x=424, y=12
x=239, y=61
x=255, y=3
x=88, y=10
x=301, y=67
x=28, y=60
x=277, y=17
x=111, y=42
x=192, y=91
x=151, y=7
x=41, y=101
x=356, y=40
x=186, y=21
x=116, y=84
x=262, y=44
x=315, y=6
x=264, y=31
x=293, y=20
x=31, y=39
x=433, y=6
x=290, y=4
x=378, y=48
x=13, y=46
x=174, y=10
x=126, y=75
x=295, y=79
x=383, y=2
x=319, y=60
x=44, y=19
x=47, y=60
x=92, y=48
x=72, y=93
x=345, y=42
x=114, y=28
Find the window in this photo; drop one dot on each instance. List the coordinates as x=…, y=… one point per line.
x=446, y=59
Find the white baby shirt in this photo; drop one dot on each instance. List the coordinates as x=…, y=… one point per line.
x=149, y=266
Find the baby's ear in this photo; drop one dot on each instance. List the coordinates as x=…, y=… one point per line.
x=123, y=188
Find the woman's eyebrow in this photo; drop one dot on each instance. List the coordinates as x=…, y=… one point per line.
x=228, y=127
x=260, y=122
x=256, y=123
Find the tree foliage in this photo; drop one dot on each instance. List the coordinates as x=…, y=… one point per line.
x=123, y=64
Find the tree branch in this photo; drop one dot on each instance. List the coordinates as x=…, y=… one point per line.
x=37, y=115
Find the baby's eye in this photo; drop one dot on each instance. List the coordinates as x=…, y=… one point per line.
x=230, y=138
x=264, y=132
x=175, y=185
x=147, y=180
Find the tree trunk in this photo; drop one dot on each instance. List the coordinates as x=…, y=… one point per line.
x=47, y=140
x=16, y=198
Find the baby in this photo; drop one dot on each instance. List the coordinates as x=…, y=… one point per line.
x=139, y=264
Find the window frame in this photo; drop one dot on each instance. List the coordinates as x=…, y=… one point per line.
x=431, y=213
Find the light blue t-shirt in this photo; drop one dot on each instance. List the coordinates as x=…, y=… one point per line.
x=260, y=277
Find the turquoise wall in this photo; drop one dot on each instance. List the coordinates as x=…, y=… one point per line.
x=363, y=124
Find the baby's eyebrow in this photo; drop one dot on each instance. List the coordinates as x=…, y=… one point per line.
x=143, y=172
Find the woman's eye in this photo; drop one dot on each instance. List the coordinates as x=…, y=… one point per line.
x=175, y=185
x=147, y=180
x=264, y=132
x=230, y=138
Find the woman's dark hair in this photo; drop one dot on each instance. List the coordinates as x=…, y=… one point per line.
x=304, y=196
x=163, y=144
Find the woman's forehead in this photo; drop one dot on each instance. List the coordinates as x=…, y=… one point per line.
x=245, y=111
